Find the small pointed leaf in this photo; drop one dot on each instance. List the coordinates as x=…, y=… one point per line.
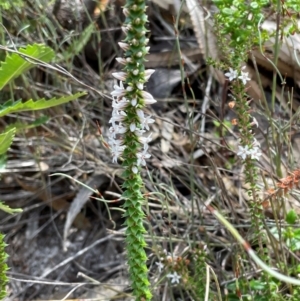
x=31, y=105
x=77, y=45
x=6, y=139
x=291, y=217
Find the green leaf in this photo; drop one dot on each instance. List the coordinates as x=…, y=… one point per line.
x=291, y=217
x=6, y=5
x=3, y=162
x=254, y=4
x=3, y=268
x=257, y=285
x=6, y=139
x=15, y=65
x=31, y=105
x=25, y=126
x=227, y=11
x=39, y=121
x=8, y=209
x=293, y=244
x=78, y=44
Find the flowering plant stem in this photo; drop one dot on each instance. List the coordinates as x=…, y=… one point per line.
x=127, y=140
x=3, y=268
x=239, y=33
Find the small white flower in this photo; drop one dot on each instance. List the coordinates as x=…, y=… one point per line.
x=112, y=132
x=118, y=90
x=139, y=132
x=134, y=169
x=141, y=157
x=121, y=129
x=139, y=54
x=175, y=278
x=140, y=86
x=120, y=104
x=147, y=48
x=129, y=89
x=120, y=75
x=254, y=122
x=140, y=113
x=116, y=113
x=124, y=46
x=116, y=129
x=116, y=151
x=243, y=152
x=115, y=156
x=232, y=74
x=126, y=12
x=148, y=73
x=148, y=98
x=116, y=143
x=121, y=60
x=255, y=153
x=255, y=143
x=134, y=102
x=160, y=266
x=146, y=140
x=135, y=72
x=168, y=254
x=244, y=77
x=145, y=121
x=132, y=127
x=124, y=29
x=117, y=116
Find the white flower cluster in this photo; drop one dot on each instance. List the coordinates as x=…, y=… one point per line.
x=233, y=74
x=160, y=266
x=175, y=278
x=254, y=151
x=120, y=125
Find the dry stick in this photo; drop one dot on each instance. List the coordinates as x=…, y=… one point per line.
x=251, y=252
x=205, y=107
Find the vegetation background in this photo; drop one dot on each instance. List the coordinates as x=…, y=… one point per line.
x=68, y=241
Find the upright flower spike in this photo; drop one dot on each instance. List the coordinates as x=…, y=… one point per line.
x=129, y=140
x=3, y=268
